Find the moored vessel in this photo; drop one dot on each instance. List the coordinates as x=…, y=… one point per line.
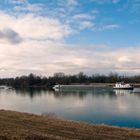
x=122, y=85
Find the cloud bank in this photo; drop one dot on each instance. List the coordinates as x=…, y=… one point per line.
x=31, y=42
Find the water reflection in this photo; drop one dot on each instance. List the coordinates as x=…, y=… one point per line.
x=81, y=93
x=33, y=92
x=96, y=105
x=122, y=92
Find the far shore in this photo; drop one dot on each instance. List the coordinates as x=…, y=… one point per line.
x=23, y=126
x=77, y=84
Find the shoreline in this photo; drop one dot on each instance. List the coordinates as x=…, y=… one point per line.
x=23, y=126
x=76, y=84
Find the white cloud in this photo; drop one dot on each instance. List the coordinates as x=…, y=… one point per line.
x=83, y=17
x=110, y=26
x=28, y=7
x=106, y=1
x=106, y=27
x=29, y=26
x=124, y=59
x=16, y=1
x=82, y=21
x=32, y=42
x=72, y=2
x=46, y=58
x=86, y=24
x=67, y=11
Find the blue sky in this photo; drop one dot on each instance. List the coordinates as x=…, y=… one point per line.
x=48, y=36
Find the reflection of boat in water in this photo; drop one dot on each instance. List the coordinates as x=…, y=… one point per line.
x=136, y=90
x=123, y=86
x=122, y=92
x=5, y=87
x=83, y=90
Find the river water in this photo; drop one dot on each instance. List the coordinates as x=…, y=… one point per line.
x=98, y=105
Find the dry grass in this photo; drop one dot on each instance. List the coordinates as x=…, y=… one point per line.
x=23, y=126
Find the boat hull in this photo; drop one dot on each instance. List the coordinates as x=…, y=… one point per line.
x=122, y=88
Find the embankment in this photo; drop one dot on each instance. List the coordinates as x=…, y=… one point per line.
x=23, y=126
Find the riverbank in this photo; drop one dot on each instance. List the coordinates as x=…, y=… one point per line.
x=24, y=126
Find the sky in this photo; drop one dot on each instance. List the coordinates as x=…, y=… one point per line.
x=71, y=36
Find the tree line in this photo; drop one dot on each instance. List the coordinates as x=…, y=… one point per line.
x=33, y=80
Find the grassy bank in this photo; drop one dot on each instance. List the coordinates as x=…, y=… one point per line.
x=23, y=126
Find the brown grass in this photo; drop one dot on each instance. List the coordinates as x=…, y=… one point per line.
x=23, y=126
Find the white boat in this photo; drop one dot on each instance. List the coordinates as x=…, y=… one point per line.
x=122, y=85
x=65, y=87
x=56, y=87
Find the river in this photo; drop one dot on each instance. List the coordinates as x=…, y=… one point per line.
x=98, y=105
